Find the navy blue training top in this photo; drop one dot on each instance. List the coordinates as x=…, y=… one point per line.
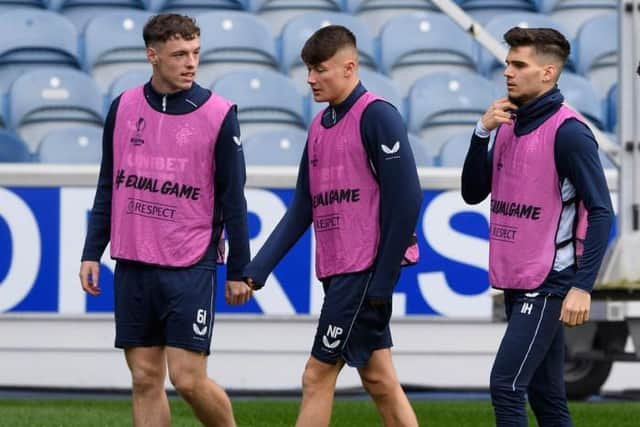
x=229, y=180
x=400, y=196
x=576, y=158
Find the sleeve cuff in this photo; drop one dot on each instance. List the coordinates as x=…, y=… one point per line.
x=481, y=131
x=258, y=281
x=586, y=291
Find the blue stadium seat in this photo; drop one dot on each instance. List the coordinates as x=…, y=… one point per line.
x=298, y=30
x=376, y=83
x=107, y=58
x=155, y=5
x=196, y=7
x=579, y=93
x=47, y=99
x=75, y=145
x=499, y=85
x=421, y=154
x=82, y=11
x=499, y=25
x=445, y=103
x=384, y=87
x=597, y=51
x=9, y=5
x=376, y=13
x=12, y=149
x=545, y=6
x=128, y=80
x=414, y=45
x=3, y=114
x=276, y=13
x=612, y=108
x=32, y=39
x=232, y=40
x=484, y=10
x=572, y=14
x=278, y=147
x=454, y=150
x=265, y=99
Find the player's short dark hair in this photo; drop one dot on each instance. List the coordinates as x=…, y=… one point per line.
x=325, y=42
x=165, y=26
x=546, y=41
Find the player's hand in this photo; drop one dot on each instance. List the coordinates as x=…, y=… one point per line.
x=252, y=283
x=89, y=275
x=575, y=307
x=237, y=292
x=498, y=114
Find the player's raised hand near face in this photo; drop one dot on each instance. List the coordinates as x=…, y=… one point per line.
x=237, y=292
x=498, y=113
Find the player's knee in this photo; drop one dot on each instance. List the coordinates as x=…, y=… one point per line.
x=496, y=387
x=186, y=385
x=311, y=378
x=503, y=393
x=314, y=378
x=147, y=378
x=378, y=386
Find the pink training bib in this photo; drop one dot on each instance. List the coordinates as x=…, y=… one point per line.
x=526, y=204
x=163, y=169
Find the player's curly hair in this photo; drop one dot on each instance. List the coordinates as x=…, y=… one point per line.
x=162, y=27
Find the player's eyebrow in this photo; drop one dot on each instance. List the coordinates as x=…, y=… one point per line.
x=515, y=62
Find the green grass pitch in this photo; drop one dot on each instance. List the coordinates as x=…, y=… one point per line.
x=282, y=413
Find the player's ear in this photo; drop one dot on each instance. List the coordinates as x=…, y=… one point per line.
x=152, y=55
x=349, y=67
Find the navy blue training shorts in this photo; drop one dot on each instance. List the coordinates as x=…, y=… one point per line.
x=157, y=306
x=349, y=327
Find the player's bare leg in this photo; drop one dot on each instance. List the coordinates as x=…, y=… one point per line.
x=381, y=382
x=318, y=387
x=188, y=374
x=148, y=372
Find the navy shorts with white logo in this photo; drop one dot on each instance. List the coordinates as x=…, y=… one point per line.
x=157, y=306
x=349, y=326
